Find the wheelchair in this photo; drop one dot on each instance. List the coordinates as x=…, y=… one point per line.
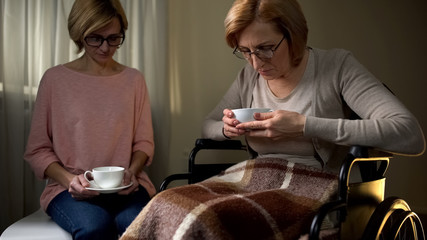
x=360, y=208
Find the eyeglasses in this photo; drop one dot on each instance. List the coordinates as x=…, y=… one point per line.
x=263, y=53
x=97, y=41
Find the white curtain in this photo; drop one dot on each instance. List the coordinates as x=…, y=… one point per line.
x=34, y=37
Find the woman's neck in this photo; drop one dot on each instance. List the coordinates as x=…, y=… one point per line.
x=86, y=65
x=283, y=86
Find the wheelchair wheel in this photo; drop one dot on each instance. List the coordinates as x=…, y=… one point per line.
x=407, y=225
x=393, y=219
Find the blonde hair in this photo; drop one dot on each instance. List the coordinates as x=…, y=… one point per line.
x=87, y=16
x=285, y=15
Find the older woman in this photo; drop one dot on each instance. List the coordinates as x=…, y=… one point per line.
x=310, y=90
x=92, y=112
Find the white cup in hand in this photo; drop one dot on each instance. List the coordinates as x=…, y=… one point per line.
x=247, y=114
x=106, y=177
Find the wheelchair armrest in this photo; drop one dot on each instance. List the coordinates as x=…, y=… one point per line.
x=368, y=167
x=358, y=151
x=204, y=143
x=320, y=216
x=173, y=177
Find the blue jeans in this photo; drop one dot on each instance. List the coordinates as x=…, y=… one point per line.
x=104, y=217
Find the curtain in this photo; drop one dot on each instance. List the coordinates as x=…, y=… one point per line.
x=34, y=37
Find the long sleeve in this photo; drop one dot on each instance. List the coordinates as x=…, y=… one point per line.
x=143, y=140
x=385, y=122
x=239, y=95
x=40, y=151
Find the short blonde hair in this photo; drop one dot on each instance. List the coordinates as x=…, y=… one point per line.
x=87, y=16
x=285, y=15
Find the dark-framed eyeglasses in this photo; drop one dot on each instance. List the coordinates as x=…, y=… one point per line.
x=97, y=40
x=261, y=53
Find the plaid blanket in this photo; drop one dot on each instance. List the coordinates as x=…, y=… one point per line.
x=255, y=199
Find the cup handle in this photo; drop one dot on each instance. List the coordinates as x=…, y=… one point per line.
x=87, y=172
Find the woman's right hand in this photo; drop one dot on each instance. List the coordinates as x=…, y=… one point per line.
x=230, y=123
x=77, y=188
x=76, y=184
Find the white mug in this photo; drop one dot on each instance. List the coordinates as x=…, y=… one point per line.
x=247, y=114
x=106, y=177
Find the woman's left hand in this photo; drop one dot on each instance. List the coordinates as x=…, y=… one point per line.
x=279, y=124
x=128, y=178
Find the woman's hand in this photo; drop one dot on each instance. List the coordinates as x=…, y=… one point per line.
x=76, y=184
x=279, y=124
x=128, y=178
x=230, y=123
x=77, y=188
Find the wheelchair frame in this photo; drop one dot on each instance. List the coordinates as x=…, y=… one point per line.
x=362, y=202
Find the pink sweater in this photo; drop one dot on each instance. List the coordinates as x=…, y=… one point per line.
x=83, y=121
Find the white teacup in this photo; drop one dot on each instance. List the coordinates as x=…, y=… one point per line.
x=247, y=114
x=106, y=177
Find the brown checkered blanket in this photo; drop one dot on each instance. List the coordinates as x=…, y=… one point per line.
x=255, y=199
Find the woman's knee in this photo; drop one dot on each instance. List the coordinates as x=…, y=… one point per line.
x=126, y=216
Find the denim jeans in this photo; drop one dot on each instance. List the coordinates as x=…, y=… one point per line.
x=104, y=217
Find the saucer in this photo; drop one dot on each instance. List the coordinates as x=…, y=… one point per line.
x=109, y=190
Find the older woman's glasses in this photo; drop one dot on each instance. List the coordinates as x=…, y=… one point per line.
x=97, y=41
x=263, y=53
